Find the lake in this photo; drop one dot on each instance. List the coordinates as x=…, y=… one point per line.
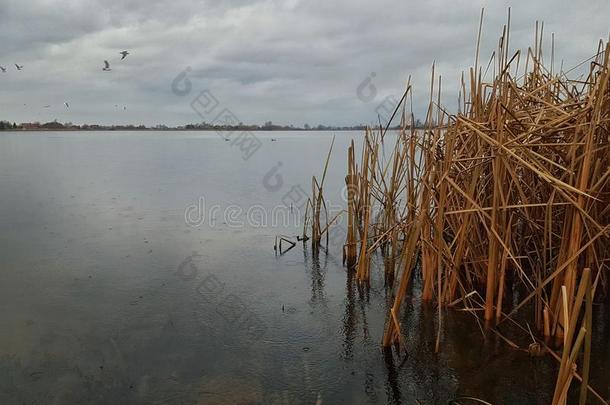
x=139, y=267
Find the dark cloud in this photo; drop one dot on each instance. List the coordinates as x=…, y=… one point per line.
x=289, y=61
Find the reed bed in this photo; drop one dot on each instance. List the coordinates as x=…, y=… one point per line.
x=512, y=193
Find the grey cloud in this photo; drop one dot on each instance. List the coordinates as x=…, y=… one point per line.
x=288, y=61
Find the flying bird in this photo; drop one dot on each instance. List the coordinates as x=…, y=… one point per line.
x=124, y=53
x=19, y=67
x=3, y=69
x=66, y=104
x=106, y=67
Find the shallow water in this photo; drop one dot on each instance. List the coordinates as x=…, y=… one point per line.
x=108, y=295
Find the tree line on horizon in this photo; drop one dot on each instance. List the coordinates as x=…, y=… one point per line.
x=203, y=126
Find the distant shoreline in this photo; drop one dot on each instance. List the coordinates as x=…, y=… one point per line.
x=174, y=129
x=179, y=130
x=204, y=126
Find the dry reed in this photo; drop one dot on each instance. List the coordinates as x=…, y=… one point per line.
x=512, y=192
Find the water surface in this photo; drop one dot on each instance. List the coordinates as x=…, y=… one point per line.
x=107, y=294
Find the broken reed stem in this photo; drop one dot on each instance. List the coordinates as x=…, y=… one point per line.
x=352, y=186
x=317, y=202
x=570, y=349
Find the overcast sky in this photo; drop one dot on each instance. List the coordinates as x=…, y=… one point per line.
x=286, y=61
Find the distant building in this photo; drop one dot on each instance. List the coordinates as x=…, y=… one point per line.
x=53, y=125
x=30, y=125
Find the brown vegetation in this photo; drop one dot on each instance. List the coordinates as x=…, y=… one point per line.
x=512, y=192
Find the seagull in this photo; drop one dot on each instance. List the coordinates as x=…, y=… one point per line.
x=124, y=53
x=66, y=104
x=3, y=69
x=106, y=67
x=19, y=67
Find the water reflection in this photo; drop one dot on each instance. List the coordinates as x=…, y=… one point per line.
x=92, y=310
x=317, y=272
